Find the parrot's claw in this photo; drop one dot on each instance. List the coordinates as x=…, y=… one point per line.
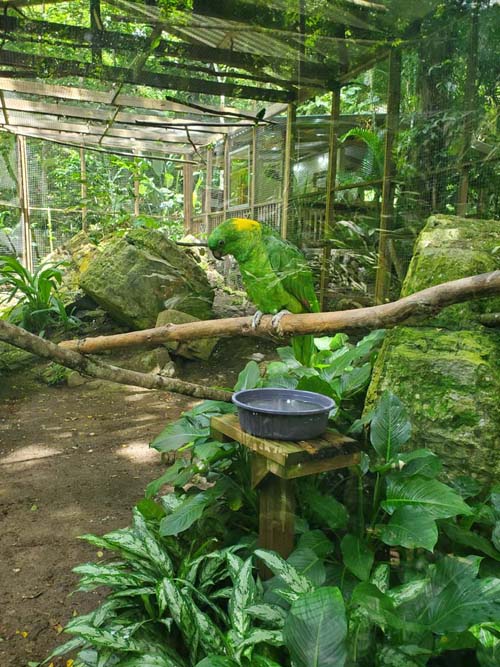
x=276, y=321
x=256, y=319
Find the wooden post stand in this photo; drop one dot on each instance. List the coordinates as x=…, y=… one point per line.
x=275, y=464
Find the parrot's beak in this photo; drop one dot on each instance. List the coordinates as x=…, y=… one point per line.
x=217, y=254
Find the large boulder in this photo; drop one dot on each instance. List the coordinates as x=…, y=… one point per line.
x=447, y=372
x=190, y=349
x=448, y=248
x=138, y=275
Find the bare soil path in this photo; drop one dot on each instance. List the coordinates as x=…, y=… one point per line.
x=74, y=461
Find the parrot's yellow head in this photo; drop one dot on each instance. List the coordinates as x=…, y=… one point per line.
x=236, y=236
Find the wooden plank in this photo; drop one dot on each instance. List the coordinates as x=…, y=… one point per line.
x=316, y=466
x=328, y=441
x=260, y=468
x=280, y=451
x=165, y=81
x=159, y=134
x=98, y=97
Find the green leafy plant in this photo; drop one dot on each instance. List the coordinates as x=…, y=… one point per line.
x=38, y=306
x=372, y=581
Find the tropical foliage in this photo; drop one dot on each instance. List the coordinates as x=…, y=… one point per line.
x=38, y=307
x=392, y=566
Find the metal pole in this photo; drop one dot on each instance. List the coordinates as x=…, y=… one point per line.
x=383, y=277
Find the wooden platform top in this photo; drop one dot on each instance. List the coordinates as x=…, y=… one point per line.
x=284, y=452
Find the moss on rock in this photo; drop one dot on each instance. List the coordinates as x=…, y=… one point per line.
x=448, y=248
x=450, y=383
x=140, y=274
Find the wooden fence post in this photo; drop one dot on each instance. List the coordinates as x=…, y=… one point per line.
x=291, y=118
x=24, y=202
x=382, y=280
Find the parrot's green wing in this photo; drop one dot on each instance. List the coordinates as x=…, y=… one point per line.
x=291, y=266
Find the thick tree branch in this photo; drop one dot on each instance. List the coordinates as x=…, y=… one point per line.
x=416, y=306
x=95, y=368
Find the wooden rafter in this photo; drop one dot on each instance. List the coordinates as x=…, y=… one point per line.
x=61, y=67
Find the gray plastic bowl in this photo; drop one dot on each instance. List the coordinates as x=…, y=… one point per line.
x=283, y=414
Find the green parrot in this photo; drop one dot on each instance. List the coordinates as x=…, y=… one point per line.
x=275, y=273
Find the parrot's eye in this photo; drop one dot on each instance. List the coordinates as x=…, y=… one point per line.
x=221, y=243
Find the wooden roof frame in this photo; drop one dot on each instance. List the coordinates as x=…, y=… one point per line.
x=254, y=70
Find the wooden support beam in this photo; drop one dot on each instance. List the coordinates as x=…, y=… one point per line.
x=46, y=66
x=77, y=94
x=188, y=197
x=383, y=276
x=288, y=161
x=331, y=179
x=470, y=97
x=24, y=203
x=83, y=188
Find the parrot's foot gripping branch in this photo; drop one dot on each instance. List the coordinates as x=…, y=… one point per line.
x=276, y=321
x=256, y=319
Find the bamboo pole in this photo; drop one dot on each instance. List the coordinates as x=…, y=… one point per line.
x=24, y=202
x=331, y=177
x=253, y=172
x=469, y=108
x=291, y=119
x=188, y=197
x=207, y=203
x=417, y=306
x=382, y=280
x=83, y=188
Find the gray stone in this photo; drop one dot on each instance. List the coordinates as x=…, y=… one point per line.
x=136, y=276
x=193, y=349
x=447, y=373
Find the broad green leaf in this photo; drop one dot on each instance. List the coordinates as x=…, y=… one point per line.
x=495, y=498
x=180, y=609
x=309, y=564
x=316, y=629
x=437, y=499
x=146, y=660
x=316, y=384
x=390, y=427
x=495, y=536
x=410, y=527
x=380, y=576
x=93, y=575
x=292, y=578
x=67, y=647
x=351, y=382
x=249, y=377
x=260, y=636
x=217, y=661
x=183, y=517
x=317, y=541
x=391, y=656
x=178, y=434
x=326, y=510
x=211, y=408
x=331, y=342
x=150, y=509
x=287, y=357
x=358, y=558
x=467, y=538
x=421, y=462
x=156, y=551
x=453, y=598
x=177, y=474
x=269, y=614
x=244, y=595
x=466, y=486
x=116, y=638
x=369, y=601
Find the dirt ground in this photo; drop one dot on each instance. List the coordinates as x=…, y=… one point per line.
x=75, y=461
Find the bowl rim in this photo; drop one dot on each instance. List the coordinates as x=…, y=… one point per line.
x=328, y=403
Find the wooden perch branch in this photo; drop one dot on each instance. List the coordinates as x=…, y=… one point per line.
x=95, y=368
x=416, y=306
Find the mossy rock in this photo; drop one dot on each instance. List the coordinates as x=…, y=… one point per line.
x=136, y=276
x=191, y=349
x=13, y=358
x=450, y=383
x=448, y=248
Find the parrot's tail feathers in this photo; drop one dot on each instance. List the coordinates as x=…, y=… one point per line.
x=303, y=349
